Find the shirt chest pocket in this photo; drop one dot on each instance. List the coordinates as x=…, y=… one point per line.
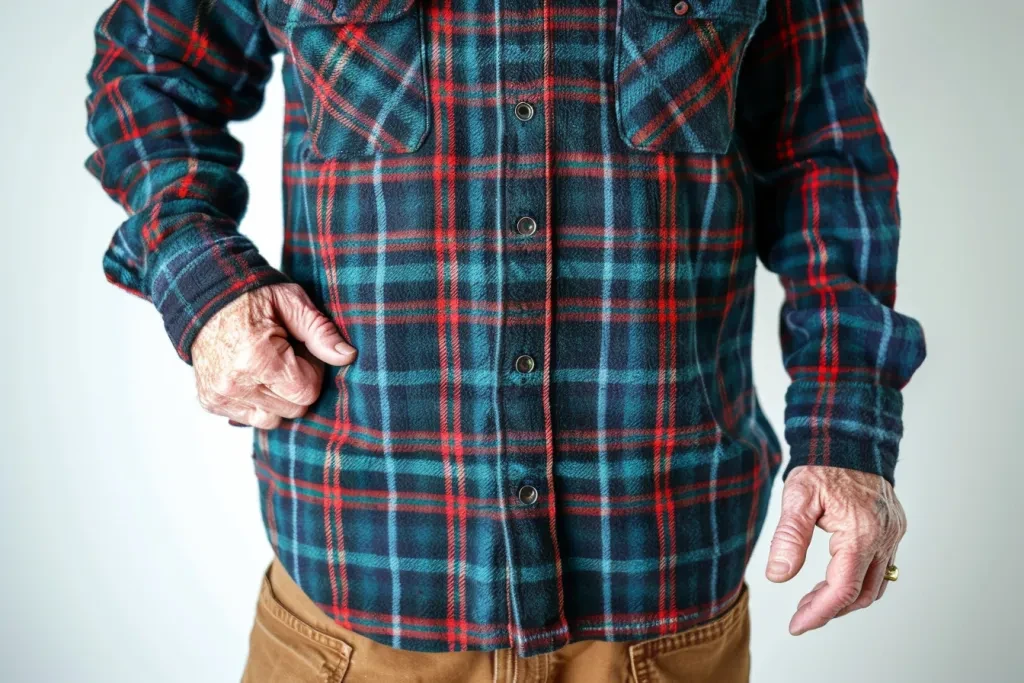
x=676, y=67
x=361, y=68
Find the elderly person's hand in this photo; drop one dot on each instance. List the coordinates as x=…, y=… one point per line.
x=866, y=521
x=260, y=358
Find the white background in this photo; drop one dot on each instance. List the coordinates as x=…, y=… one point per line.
x=130, y=538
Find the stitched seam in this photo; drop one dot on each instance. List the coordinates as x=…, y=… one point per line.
x=275, y=609
x=281, y=21
x=724, y=624
x=755, y=14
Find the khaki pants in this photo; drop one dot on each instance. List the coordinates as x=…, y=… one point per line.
x=293, y=641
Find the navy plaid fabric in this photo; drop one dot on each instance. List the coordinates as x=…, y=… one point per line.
x=556, y=296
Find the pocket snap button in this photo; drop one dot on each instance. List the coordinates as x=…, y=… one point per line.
x=681, y=7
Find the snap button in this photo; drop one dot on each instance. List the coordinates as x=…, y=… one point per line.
x=524, y=363
x=526, y=226
x=528, y=495
x=681, y=7
x=524, y=111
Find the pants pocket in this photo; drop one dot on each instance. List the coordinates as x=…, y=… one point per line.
x=714, y=652
x=284, y=648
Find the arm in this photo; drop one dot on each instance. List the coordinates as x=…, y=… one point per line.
x=827, y=221
x=167, y=77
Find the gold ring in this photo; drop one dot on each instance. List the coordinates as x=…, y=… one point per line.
x=892, y=573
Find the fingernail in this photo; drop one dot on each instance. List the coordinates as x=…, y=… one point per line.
x=344, y=349
x=778, y=568
x=236, y=424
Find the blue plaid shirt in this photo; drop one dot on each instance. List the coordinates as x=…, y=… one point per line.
x=538, y=223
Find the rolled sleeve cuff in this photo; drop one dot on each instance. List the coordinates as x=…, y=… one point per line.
x=853, y=425
x=198, y=271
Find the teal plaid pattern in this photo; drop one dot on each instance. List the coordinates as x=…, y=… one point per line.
x=612, y=237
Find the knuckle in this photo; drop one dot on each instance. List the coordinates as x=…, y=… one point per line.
x=787, y=534
x=300, y=393
x=892, y=532
x=290, y=289
x=260, y=418
x=211, y=401
x=224, y=385
x=268, y=422
x=261, y=359
x=863, y=545
x=294, y=411
x=307, y=394
x=847, y=594
x=319, y=324
x=864, y=601
x=797, y=495
x=872, y=527
x=291, y=295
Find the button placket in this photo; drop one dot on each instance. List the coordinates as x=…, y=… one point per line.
x=526, y=284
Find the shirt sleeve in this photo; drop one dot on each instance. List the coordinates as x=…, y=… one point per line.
x=827, y=222
x=167, y=77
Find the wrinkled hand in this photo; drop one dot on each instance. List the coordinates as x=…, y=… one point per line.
x=866, y=521
x=258, y=360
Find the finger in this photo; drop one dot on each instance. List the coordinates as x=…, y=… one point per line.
x=307, y=324
x=800, y=512
x=236, y=410
x=872, y=584
x=881, y=589
x=240, y=409
x=289, y=371
x=254, y=417
x=804, y=601
x=218, y=404
x=261, y=419
x=262, y=397
x=267, y=400
x=844, y=580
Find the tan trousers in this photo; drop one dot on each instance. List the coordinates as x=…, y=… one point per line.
x=293, y=641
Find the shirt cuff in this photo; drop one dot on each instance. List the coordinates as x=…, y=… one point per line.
x=198, y=270
x=844, y=424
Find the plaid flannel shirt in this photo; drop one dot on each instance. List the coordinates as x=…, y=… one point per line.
x=538, y=222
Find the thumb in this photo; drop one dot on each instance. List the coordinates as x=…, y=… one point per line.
x=311, y=327
x=793, y=534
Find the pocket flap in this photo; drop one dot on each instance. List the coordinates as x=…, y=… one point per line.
x=736, y=10
x=319, y=12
